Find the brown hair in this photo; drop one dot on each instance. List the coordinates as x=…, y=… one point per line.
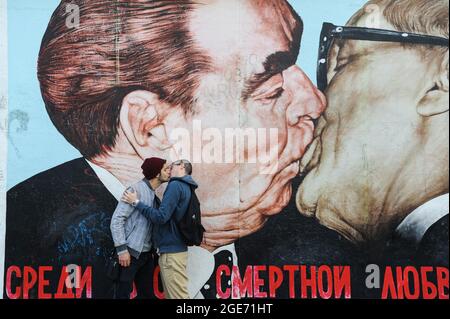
x=120, y=46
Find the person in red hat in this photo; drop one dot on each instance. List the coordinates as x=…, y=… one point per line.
x=132, y=233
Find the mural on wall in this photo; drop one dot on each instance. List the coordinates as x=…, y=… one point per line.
x=334, y=190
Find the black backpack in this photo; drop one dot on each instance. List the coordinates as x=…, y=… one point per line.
x=190, y=225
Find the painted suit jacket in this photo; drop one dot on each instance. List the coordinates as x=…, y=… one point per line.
x=57, y=218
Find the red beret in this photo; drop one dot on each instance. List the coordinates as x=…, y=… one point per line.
x=152, y=167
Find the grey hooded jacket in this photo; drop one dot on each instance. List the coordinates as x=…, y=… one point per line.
x=130, y=229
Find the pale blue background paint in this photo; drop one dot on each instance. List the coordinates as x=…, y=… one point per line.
x=37, y=146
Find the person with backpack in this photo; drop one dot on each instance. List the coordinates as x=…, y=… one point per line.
x=171, y=243
x=132, y=233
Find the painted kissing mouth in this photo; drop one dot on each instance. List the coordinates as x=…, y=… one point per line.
x=311, y=157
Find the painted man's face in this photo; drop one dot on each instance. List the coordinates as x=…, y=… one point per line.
x=374, y=142
x=254, y=84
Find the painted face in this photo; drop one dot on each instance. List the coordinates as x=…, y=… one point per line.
x=373, y=147
x=254, y=87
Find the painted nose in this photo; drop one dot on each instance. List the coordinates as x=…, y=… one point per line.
x=307, y=101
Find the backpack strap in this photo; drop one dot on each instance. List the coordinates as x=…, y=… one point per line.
x=189, y=203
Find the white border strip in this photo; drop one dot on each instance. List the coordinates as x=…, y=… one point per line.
x=3, y=131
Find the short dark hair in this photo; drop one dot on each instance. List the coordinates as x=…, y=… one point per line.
x=188, y=168
x=119, y=47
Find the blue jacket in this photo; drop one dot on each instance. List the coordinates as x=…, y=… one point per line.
x=174, y=205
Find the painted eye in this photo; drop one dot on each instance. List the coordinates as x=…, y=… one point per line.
x=275, y=94
x=434, y=88
x=271, y=90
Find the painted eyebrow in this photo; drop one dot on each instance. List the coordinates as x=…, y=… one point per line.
x=274, y=64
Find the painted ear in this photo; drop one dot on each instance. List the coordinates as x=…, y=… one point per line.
x=436, y=99
x=142, y=121
x=332, y=62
